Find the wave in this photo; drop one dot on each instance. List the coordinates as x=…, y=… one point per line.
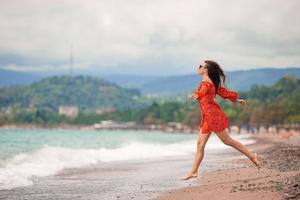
x=20, y=169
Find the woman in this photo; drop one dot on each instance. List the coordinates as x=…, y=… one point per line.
x=213, y=118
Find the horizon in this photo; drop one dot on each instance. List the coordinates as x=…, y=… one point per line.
x=90, y=72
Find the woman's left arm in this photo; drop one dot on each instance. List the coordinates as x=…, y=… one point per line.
x=231, y=95
x=227, y=94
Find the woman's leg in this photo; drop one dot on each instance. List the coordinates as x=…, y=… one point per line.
x=226, y=139
x=202, y=139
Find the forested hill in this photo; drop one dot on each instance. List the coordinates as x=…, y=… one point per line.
x=285, y=88
x=276, y=104
x=82, y=91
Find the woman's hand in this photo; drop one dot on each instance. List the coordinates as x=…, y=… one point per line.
x=242, y=102
x=193, y=97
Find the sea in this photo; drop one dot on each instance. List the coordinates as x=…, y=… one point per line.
x=28, y=153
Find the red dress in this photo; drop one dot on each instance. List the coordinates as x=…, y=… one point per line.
x=213, y=117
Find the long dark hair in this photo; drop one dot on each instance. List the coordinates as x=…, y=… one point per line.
x=215, y=73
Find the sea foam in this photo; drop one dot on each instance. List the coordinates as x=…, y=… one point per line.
x=20, y=169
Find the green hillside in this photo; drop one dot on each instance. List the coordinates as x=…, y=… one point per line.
x=86, y=92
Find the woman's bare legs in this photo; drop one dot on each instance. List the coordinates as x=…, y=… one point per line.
x=226, y=139
x=202, y=139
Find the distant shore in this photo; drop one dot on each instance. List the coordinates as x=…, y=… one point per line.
x=163, y=128
x=171, y=127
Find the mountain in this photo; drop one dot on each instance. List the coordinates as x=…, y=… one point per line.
x=171, y=85
x=128, y=80
x=240, y=80
x=244, y=79
x=8, y=78
x=84, y=91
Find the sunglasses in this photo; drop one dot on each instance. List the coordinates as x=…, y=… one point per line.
x=201, y=66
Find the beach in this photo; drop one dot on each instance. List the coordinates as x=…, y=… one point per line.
x=279, y=177
x=223, y=174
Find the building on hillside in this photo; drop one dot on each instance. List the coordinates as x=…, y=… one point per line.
x=69, y=111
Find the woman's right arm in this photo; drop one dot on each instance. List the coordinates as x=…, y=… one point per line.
x=201, y=90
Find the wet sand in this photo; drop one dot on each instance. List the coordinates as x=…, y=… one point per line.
x=279, y=177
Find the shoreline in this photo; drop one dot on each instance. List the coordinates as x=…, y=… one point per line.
x=284, y=134
x=163, y=128
x=277, y=179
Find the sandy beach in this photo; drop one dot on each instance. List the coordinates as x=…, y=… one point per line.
x=225, y=175
x=279, y=177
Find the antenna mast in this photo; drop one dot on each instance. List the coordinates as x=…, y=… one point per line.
x=71, y=60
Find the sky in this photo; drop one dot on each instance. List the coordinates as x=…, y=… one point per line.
x=154, y=37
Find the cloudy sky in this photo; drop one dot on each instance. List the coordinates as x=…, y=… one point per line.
x=157, y=37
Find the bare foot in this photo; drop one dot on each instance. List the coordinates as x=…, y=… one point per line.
x=255, y=161
x=189, y=176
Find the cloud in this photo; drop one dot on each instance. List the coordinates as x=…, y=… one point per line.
x=154, y=37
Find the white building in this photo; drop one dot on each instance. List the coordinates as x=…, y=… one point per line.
x=68, y=111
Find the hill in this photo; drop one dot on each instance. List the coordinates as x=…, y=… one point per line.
x=83, y=91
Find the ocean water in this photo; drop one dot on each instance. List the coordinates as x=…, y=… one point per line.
x=25, y=153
